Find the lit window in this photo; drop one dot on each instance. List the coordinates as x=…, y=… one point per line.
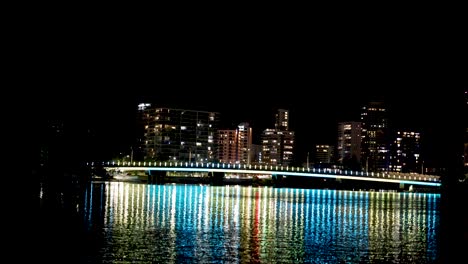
x=183, y=128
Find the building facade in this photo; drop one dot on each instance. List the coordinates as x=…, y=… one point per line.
x=244, y=143
x=235, y=146
x=137, y=151
x=323, y=154
x=282, y=120
x=180, y=135
x=349, y=142
x=227, y=146
x=405, y=152
x=256, y=154
x=278, y=143
x=374, y=145
x=277, y=147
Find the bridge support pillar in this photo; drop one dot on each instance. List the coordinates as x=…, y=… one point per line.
x=277, y=180
x=216, y=178
x=156, y=177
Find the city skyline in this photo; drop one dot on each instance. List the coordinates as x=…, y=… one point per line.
x=314, y=120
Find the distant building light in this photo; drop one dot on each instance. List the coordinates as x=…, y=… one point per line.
x=143, y=106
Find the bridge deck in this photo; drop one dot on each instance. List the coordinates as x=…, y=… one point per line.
x=391, y=177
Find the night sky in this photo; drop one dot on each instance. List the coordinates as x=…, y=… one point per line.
x=321, y=82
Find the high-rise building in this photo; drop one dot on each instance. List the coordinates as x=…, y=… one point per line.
x=138, y=149
x=278, y=143
x=256, y=154
x=227, y=146
x=180, y=135
x=374, y=145
x=405, y=152
x=349, y=142
x=244, y=143
x=277, y=147
x=234, y=146
x=323, y=154
x=282, y=120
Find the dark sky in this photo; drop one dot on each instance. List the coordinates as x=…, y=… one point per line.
x=322, y=80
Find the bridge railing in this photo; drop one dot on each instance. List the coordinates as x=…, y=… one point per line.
x=273, y=168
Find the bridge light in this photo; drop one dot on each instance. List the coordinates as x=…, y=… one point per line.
x=308, y=169
x=255, y=166
x=250, y=166
x=139, y=163
x=160, y=164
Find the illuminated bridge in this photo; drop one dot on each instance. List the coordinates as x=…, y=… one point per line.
x=222, y=169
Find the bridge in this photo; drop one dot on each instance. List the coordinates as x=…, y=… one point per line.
x=274, y=171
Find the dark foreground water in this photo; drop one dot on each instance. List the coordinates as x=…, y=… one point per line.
x=137, y=223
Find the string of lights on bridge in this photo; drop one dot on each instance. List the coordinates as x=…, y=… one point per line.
x=393, y=175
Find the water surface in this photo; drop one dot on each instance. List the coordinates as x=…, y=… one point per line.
x=131, y=222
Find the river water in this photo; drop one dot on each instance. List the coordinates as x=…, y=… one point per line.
x=139, y=223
